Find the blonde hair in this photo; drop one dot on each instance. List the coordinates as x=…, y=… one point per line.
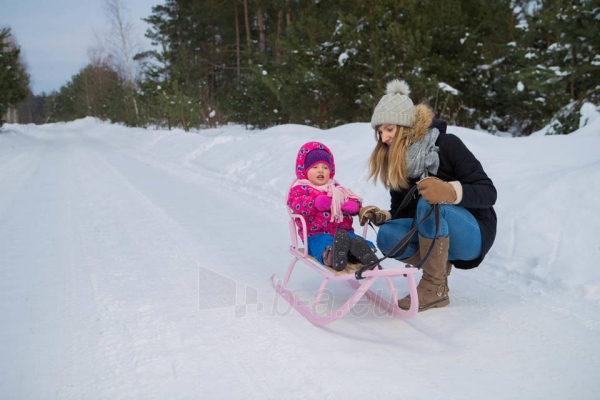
x=388, y=163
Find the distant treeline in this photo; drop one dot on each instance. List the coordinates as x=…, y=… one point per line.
x=504, y=65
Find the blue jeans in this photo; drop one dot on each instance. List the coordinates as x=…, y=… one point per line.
x=455, y=221
x=319, y=242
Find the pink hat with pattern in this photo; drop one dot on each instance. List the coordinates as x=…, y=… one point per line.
x=306, y=159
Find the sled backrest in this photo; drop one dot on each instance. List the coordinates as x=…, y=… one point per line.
x=292, y=223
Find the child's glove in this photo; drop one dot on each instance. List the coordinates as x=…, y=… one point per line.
x=436, y=191
x=374, y=214
x=323, y=202
x=350, y=207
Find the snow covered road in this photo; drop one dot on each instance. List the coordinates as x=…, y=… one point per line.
x=127, y=273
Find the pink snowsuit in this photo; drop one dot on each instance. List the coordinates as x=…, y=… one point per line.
x=301, y=199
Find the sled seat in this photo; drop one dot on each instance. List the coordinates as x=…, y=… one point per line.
x=351, y=268
x=329, y=274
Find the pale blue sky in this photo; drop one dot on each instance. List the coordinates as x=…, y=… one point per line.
x=55, y=35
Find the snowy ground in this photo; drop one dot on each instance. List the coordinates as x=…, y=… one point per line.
x=135, y=264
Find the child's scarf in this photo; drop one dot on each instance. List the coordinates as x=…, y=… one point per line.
x=339, y=195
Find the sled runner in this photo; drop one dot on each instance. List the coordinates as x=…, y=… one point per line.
x=360, y=277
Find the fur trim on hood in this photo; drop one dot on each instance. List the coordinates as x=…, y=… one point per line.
x=422, y=119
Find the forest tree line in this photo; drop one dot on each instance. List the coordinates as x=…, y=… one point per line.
x=506, y=65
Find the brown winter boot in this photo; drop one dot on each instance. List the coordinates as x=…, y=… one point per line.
x=416, y=258
x=433, y=287
x=412, y=260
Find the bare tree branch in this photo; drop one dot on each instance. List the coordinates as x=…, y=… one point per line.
x=122, y=32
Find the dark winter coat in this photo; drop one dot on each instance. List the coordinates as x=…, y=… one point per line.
x=457, y=163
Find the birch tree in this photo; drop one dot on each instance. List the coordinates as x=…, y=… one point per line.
x=122, y=45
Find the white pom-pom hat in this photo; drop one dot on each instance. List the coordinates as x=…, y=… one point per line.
x=395, y=107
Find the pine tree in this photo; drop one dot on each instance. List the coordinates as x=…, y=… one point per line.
x=562, y=66
x=433, y=45
x=96, y=91
x=14, y=80
x=33, y=109
x=324, y=63
x=303, y=80
x=198, y=55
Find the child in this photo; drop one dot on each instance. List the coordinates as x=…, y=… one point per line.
x=327, y=208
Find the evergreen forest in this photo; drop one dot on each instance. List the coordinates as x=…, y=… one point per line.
x=504, y=66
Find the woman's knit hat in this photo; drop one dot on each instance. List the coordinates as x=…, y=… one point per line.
x=315, y=157
x=395, y=107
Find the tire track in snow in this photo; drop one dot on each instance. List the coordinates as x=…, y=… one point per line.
x=250, y=361
x=17, y=168
x=185, y=253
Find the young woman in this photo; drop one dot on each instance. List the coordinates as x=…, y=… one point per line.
x=413, y=148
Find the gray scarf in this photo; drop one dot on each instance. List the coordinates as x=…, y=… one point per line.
x=422, y=157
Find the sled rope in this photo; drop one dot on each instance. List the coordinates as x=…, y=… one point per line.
x=405, y=240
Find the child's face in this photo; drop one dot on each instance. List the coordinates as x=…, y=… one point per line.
x=387, y=133
x=318, y=174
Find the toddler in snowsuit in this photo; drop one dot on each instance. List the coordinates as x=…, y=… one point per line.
x=327, y=208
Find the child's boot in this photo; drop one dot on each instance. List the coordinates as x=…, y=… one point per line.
x=362, y=251
x=340, y=248
x=327, y=256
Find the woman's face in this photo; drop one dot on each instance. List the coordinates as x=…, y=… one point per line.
x=387, y=132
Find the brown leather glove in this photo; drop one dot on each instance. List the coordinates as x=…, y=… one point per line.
x=437, y=191
x=374, y=214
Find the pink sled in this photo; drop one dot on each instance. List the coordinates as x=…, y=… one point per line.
x=328, y=274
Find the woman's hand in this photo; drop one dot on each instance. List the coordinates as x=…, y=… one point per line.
x=437, y=191
x=374, y=214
